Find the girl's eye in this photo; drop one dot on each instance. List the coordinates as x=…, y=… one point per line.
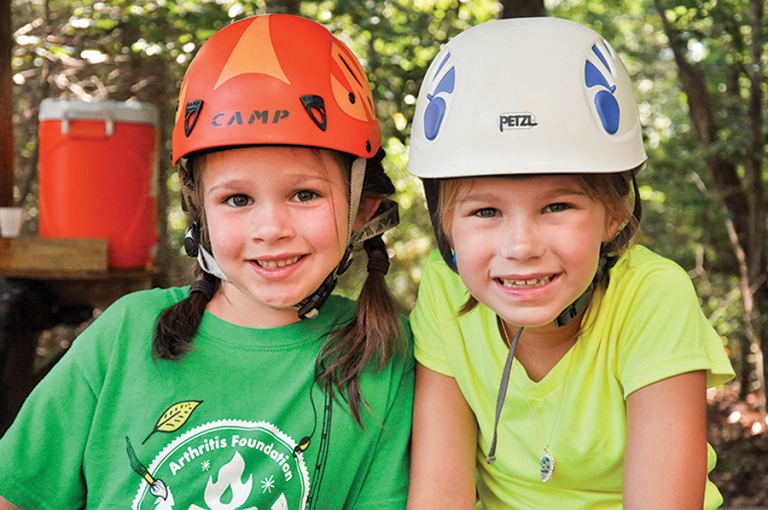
x=487, y=212
x=238, y=201
x=305, y=195
x=557, y=207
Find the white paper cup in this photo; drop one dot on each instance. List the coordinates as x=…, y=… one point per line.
x=10, y=221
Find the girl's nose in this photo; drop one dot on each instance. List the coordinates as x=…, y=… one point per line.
x=270, y=224
x=521, y=240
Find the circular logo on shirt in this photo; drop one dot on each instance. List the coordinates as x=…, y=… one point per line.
x=224, y=465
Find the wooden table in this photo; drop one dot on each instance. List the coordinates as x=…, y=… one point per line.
x=45, y=282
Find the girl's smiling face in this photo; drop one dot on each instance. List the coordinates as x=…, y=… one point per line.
x=277, y=221
x=528, y=247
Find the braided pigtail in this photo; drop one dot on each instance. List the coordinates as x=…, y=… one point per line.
x=178, y=324
x=375, y=334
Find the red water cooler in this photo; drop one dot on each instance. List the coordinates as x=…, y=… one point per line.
x=98, y=176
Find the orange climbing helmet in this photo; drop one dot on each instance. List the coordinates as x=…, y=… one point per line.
x=275, y=79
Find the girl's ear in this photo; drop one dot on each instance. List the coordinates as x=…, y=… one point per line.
x=614, y=222
x=365, y=212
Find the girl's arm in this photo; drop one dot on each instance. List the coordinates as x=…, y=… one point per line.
x=7, y=505
x=666, y=458
x=444, y=445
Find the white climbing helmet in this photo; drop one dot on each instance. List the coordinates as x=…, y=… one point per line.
x=525, y=96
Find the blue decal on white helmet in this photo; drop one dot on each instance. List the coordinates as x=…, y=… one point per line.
x=440, y=67
x=435, y=110
x=606, y=105
x=599, y=54
x=608, y=110
x=594, y=78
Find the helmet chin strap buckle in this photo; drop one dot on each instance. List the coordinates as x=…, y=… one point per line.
x=582, y=302
x=310, y=307
x=386, y=218
x=575, y=308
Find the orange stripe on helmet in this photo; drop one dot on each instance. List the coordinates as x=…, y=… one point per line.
x=253, y=53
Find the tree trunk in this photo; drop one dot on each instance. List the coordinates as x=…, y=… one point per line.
x=522, y=8
x=6, y=106
x=744, y=200
x=285, y=6
x=755, y=193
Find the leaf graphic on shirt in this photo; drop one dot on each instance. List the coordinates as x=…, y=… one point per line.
x=174, y=417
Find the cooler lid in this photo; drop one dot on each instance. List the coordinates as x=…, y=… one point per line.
x=116, y=111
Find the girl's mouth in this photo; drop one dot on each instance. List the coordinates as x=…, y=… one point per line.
x=529, y=283
x=277, y=264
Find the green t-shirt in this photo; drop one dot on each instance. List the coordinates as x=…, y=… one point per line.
x=646, y=327
x=111, y=428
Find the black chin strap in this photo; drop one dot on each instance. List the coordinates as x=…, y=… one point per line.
x=582, y=302
x=310, y=307
x=387, y=217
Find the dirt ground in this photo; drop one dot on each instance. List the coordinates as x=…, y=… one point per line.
x=739, y=434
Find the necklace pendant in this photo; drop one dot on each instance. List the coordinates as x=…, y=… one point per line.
x=547, y=464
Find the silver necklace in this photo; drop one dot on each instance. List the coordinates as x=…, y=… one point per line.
x=547, y=460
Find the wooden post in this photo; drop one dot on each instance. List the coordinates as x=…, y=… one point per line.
x=6, y=106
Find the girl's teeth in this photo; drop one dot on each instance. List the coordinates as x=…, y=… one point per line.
x=276, y=264
x=531, y=282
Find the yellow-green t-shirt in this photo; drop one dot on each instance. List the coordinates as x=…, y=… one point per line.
x=646, y=326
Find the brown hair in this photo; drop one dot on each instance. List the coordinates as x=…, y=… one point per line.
x=372, y=337
x=618, y=192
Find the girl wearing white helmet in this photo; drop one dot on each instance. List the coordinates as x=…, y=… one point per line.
x=559, y=364
x=253, y=388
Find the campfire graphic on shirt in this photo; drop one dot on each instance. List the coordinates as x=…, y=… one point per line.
x=224, y=465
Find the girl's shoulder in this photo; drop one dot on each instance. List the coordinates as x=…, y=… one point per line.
x=121, y=335
x=438, y=281
x=146, y=302
x=640, y=266
x=646, y=288
x=651, y=324
x=344, y=308
x=135, y=313
x=339, y=309
x=435, y=264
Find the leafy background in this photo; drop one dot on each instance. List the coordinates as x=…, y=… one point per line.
x=139, y=50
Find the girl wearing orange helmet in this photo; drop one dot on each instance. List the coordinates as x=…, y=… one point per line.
x=258, y=388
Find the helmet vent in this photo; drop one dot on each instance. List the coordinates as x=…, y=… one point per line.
x=351, y=98
x=435, y=110
x=314, y=105
x=191, y=113
x=350, y=71
x=606, y=104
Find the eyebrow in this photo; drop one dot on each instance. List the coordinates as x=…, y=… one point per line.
x=549, y=195
x=295, y=180
x=565, y=190
x=477, y=197
x=228, y=183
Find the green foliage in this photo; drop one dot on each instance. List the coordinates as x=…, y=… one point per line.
x=124, y=49
x=683, y=217
x=139, y=50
